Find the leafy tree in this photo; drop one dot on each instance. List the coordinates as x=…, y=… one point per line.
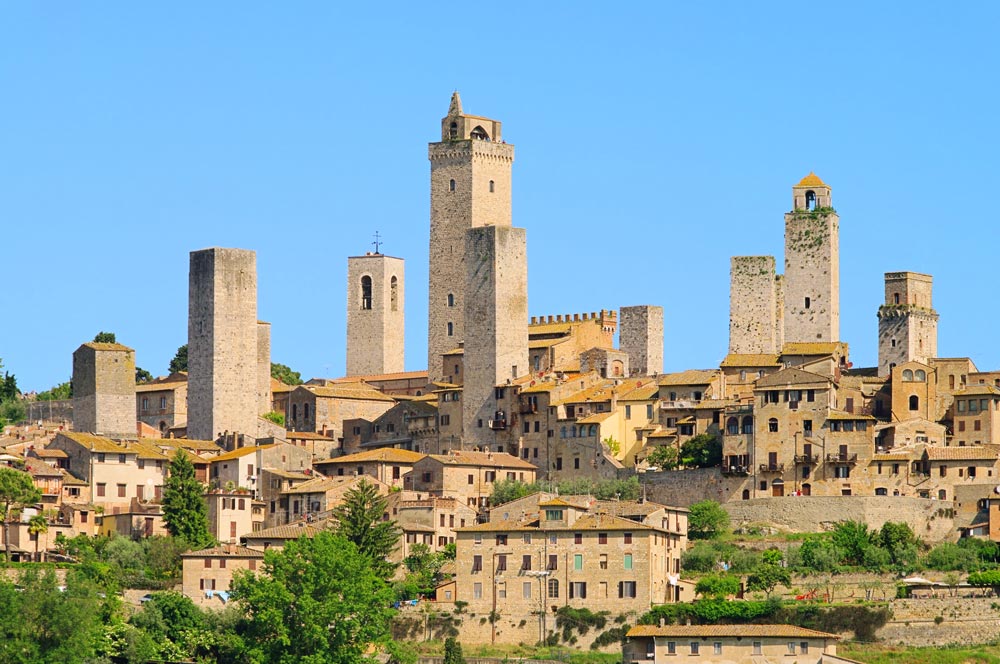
x=317, y=601
x=818, y=553
x=702, y=451
x=285, y=374
x=718, y=586
x=142, y=376
x=12, y=410
x=359, y=520
x=58, y=625
x=663, y=457
x=707, y=520
x=180, y=361
x=900, y=544
x=766, y=577
x=504, y=491
x=453, y=651
x=184, y=510
x=424, y=567
x=276, y=417
x=105, y=338
x=60, y=392
x=17, y=490
x=948, y=556
x=38, y=525
x=853, y=539
x=8, y=388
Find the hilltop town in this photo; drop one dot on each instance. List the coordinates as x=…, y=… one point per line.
x=555, y=474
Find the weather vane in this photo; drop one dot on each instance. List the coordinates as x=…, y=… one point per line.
x=377, y=242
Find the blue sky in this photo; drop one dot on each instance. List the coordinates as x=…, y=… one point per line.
x=653, y=141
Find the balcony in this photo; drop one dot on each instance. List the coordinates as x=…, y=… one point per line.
x=528, y=408
x=772, y=467
x=735, y=469
x=498, y=425
x=682, y=404
x=807, y=459
x=842, y=458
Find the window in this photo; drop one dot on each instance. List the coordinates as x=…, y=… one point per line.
x=772, y=425
x=451, y=299
x=477, y=564
x=553, y=588
x=366, y=292
x=472, y=479
x=577, y=538
x=578, y=590
x=477, y=588
x=393, y=287
x=121, y=490
x=451, y=185
x=694, y=644
x=553, y=562
x=671, y=648
x=502, y=539
x=101, y=489
x=842, y=472
x=491, y=186
x=526, y=590
x=477, y=538
x=604, y=561
x=526, y=538
x=626, y=589
x=602, y=538
x=578, y=562
x=208, y=563
x=628, y=538
x=502, y=563
x=808, y=302
x=717, y=648
x=141, y=463
x=628, y=561
x=526, y=562
x=628, y=412
x=756, y=647
x=804, y=647
x=451, y=329
x=907, y=375
x=791, y=647
x=914, y=402
x=553, y=515
x=576, y=460
x=100, y=457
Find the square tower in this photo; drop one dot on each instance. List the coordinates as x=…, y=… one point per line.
x=470, y=187
x=496, y=325
x=641, y=336
x=907, y=322
x=812, y=265
x=104, y=390
x=222, y=343
x=375, y=327
x=754, y=306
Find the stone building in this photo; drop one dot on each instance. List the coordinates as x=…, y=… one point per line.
x=389, y=466
x=907, y=322
x=222, y=343
x=232, y=515
x=104, y=390
x=470, y=188
x=755, y=326
x=324, y=410
x=496, y=325
x=468, y=476
x=641, y=336
x=206, y=575
x=162, y=403
x=263, y=367
x=408, y=425
x=375, y=322
x=557, y=343
x=730, y=644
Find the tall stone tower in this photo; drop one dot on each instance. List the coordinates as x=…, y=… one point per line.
x=263, y=367
x=641, y=336
x=496, y=324
x=754, y=305
x=907, y=322
x=375, y=328
x=222, y=343
x=470, y=188
x=812, y=264
x=104, y=390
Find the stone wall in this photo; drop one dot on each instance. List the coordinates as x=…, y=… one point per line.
x=641, y=336
x=963, y=620
x=375, y=325
x=812, y=277
x=753, y=317
x=263, y=367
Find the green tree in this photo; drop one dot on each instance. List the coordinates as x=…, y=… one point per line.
x=105, y=338
x=453, y=651
x=60, y=392
x=505, y=491
x=359, y=520
x=663, y=457
x=285, y=374
x=60, y=625
x=16, y=491
x=702, y=451
x=766, y=577
x=8, y=388
x=317, y=601
x=142, y=376
x=717, y=586
x=707, y=520
x=276, y=417
x=853, y=539
x=38, y=525
x=899, y=542
x=184, y=510
x=12, y=410
x=180, y=361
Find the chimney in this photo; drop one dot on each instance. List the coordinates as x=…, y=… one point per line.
x=663, y=622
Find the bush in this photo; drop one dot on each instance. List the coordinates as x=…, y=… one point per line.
x=707, y=520
x=718, y=586
x=950, y=557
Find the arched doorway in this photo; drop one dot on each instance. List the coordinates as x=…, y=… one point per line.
x=806, y=489
x=778, y=488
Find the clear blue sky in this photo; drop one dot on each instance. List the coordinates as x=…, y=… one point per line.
x=653, y=141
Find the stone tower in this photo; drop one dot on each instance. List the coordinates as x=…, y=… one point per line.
x=375, y=315
x=641, y=336
x=470, y=188
x=812, y=265
x=222, y=343
x=754, y=305
x=496, y=324
x=104, y=390
x=907, y=322
x=263, y=367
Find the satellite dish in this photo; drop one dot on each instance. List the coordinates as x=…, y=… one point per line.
x=996, y=489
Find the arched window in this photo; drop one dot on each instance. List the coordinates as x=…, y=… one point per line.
x=305, y=411
x=732, y=426
x=451, y=299
x=914, y=402
x=451, y=329
x=553, y=588
x=746, y=494
x=491, y=186
x=366, y=292
x=920, y=375
x=480, y=134
x=295, y=411
x=747, y=424
x=881, y=491
x=451, y=185
x=895, y=298
x=772, y=425
x=562, y=432
x=593, y=430
x=453, y=131
x=393, y=294
x=907, y=375
x=810, y=200
x=574, y=431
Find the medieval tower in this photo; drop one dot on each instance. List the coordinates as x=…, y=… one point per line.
x=641, y=336
x=263, y=367
x=755, y=323
x=470, y=188
x=812, y=265
x=907, y=322
x=496, y=325
x=374, y=315
x=222, y=343
x=104, y=390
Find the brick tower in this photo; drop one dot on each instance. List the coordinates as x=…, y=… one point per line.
x=641, y=336
x=104, y=390
x=375, y=328
x=907, y=322
x=470, y=188
x=496, y=325
x=812, y=265
x=222, y=343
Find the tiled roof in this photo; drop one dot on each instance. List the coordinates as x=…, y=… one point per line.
x=642, y=390
x=750, y=360
x=356, y=390
x=811, y=180
x=105, y=346
x=289, y=532
x=594, y=418
x=69, y=480
x=813, y=348
x=225, y=551
x=663, y=433
x=383, y=454
x=145, y=450
x=695, y=631
x=489, y=459
x=892, y=456
x=191, y=444
x=158, y=387
x=400, y=375
x=789, y=377
x=455, y=351
x=974, y=452
x=307, y=435
x=287, y=474
x=321, y=484
x=241, y=452
x=977, y=390
x=51, y=454
x=96, y=443
x=842, y=415
x=689, y=377
x=556, y=502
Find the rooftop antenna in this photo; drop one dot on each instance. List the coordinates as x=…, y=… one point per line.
x=378, y=242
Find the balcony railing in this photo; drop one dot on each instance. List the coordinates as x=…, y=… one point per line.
x=772, y=467
x=842, y=458
x=683, y=404
x=735, y=469
x=498, y=425
x=807, y=459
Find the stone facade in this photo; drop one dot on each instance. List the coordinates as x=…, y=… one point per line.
x=641, y=336
x=208, y=572
x=104, y=390
x=812, y=265
x=496, y=323
x=729, y=644
x=907, y=322
x=162, y=403
x=470, y=187
x=231, y=515
x=263, y=367
x=375, y=324
x=222, y=343
x=753, y=305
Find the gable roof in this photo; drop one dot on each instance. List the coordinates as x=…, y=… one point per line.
x=970, y=453
x=96, y=443
x=356, y=390
x=489, y=459
x=383, y=454
x=689, y=377
x=694, y=631
x=241, y=452
x=789, y=377
x=225, y=551
x=750, y=360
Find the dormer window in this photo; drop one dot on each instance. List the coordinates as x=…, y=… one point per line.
x=553, y=515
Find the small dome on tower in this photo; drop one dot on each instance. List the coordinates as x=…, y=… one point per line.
x=811, y=180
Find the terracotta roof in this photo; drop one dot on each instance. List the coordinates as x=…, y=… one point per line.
x=158, y=387
x=489, y=459
x=322, y=484
x=190, y=444
x=288, y=474
x=384, y=454
x=813, y=348
x=96, y=443
x=241, y=452
x=790, y=377
x=892, y=456
x=595, y=418
x=455, y=351
x=105, y=346
x=51, y=454
x=225, y=551
x=556, y=502
x=694, y=631
x=978, y=390
x=973, y=452
x=750, y=360
x=69, y=480
x=689, y=377
x=289, y=532
x=400, y=375
x=663, y=433
x=145, y=450
x=842, y=415
x=307, y=435
x=811, y=180
x=643, y=390
x=357, y=390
